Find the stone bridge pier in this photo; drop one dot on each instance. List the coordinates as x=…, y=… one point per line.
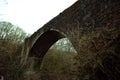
x=83, y=19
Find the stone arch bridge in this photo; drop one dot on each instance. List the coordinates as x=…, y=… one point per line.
x=83, y=18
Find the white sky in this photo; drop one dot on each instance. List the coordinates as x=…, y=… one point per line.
x=30, y=15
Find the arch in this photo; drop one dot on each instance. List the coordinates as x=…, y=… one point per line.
x=42, y=45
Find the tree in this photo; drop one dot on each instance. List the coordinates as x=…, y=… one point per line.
x=11, y=33
x=11, y=39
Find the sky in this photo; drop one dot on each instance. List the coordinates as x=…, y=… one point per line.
x=30, y=15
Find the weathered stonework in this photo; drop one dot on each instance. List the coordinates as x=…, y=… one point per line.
x=83, y=24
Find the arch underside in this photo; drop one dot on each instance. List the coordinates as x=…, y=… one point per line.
x=42, y=45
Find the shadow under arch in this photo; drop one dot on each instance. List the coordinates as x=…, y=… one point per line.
x=42, y=45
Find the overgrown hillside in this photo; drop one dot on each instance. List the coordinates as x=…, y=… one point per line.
x=59, y=62
x=98, y=59
x=11, y=40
